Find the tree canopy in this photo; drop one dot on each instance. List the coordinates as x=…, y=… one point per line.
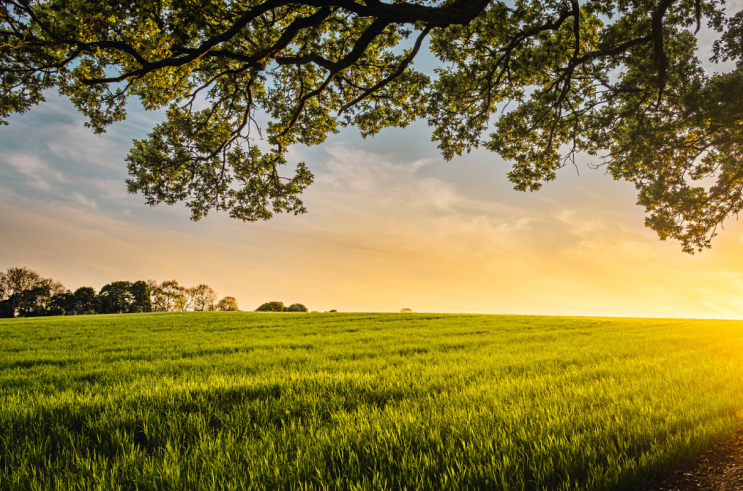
x=619, y=80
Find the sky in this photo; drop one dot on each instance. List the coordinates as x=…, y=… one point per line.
x=390, y=225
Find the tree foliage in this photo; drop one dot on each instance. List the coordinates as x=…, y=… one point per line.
x=141, y=297
x=116, y=297
x=26, y=293
x=619, y=79
x=35, y=301
x=227, y=304
x=168, y=297
x=204, y=297
x=61, y=304
x=86, y=300
x=122, y=297
x=274, y=306
x=297, y=307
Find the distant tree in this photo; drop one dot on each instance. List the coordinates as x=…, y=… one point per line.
x=116, y=297
x=227, y=304
x=17, y=280
x=16, y=285
x=204, y=298
x=186, y=300
x=140, y=291
x=271, y=307
x=62, y=304
x=55, y=287
x=158, y=298
x=86, y=300
x=154, y=289
x=297, y=307
x=406, y=310
x=168, y=297
x=35, y=302
x=174, y=294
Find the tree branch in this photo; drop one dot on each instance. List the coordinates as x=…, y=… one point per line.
x=395, y=74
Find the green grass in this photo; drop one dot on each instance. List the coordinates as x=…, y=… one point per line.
x=360, y=401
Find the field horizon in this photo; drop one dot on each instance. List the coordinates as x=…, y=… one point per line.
x=243, y=400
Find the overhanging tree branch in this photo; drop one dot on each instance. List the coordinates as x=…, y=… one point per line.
x=579, y=75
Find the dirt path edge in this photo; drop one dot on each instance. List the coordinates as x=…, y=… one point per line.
x=718, y=469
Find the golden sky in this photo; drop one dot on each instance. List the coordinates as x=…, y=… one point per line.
x=390, y=225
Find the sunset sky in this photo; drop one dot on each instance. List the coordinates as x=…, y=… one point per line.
x=390, y=225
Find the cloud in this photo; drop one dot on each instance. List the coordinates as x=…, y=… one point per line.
x=37, y=172
x=393, y=196
x=112, y=189
x=72, y=143
x=84, y=201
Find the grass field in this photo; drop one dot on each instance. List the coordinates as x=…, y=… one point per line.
x=360, y=401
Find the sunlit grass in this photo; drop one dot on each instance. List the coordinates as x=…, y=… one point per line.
x=359, y=401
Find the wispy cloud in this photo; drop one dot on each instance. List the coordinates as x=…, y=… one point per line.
x=37, y=172
x=84, y=201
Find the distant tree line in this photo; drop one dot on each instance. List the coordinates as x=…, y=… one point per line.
x=25, y=293
x=279, y=307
